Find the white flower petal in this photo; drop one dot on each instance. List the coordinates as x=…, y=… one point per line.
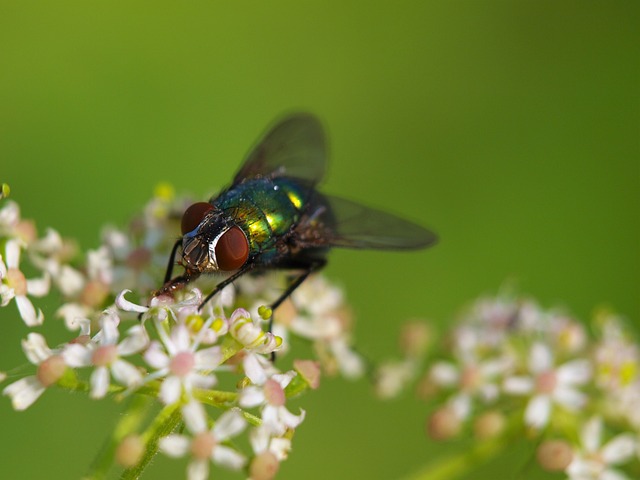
x=284, y=379
x=70, y=281
x=9, y=214
x=24, y=392
x=251, y=397
x=259, y=438
x=110, y=333
x=198, y=470
x=351, y=364
x=35, y=348
x=291, y=420
x=444, y=374
x=124, y=304
x=271, y=419
x=230, y=424
x=228, y=457
x=280, y=447
x=208, y=358
x=28, y=312
x=125, y=373
x=12, y=252
x=39, y=287
x=135, y=342
x=540, y=358
x=155, y=356
x=254, y=370
x=591, y=434
x=569, y=397
x=518, y=385
x=77, y=355
x=574, y=372
x=175, y=445
x=619, y=449
x=6, y=295
x=538, y=411
x=461, y=405
x=74, y=315
x=202, y=381
x=581, y=468
x=170, y=390
x=180, y=339
x=194, y=417
x=99, y=382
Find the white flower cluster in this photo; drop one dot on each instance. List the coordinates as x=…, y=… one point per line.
x=175, y=352
x=510, y=367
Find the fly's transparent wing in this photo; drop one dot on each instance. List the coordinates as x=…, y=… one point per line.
x=295, y=147
x=337, y=222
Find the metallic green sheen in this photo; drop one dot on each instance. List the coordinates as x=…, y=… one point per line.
x=265, y=209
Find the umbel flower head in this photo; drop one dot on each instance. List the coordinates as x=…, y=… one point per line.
x=512, y=368
x=176, y=354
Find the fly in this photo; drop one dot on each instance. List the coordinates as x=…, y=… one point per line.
x=272, y=217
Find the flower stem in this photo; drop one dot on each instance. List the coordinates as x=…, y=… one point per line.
x=164, y=424
x=129, y=422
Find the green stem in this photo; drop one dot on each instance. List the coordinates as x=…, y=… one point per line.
x=129, y=422
x=166, y=421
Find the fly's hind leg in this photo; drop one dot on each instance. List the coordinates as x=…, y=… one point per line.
x=309, y=268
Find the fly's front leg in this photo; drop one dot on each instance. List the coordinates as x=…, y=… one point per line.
x=171, y=286
x=245, y=269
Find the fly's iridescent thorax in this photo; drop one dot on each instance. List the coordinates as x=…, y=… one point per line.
x=242, y=222
x=266, y=209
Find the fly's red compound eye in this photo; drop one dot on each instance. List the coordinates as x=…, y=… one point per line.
x=194, y=215
x=232, y=249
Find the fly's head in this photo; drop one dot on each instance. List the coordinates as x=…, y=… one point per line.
x=211, y=242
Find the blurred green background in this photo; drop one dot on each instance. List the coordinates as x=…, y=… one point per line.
x=510, y=128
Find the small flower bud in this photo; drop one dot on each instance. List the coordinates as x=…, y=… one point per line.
x=264, y=466
x=274, y=394
x=202, y=445
x=129, y=451
x=26, y=229
x=443, y=424
x=309, y=370
x=488, y=425
x=265, y=312
x=554, y=455
x=51, y=370
x=4, y=190
x=94, y=294
x=414, y=338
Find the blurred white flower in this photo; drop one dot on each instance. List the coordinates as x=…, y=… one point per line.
x=51, y=367
x=183, y=367
x=595, y=461
x=206, y=445
x=104, y=353
x=14, y=285
x=549, y=384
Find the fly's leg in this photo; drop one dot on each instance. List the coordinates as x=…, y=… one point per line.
x=173, y=285
x=224, y=283
x=310, y=268
x=172, y=258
